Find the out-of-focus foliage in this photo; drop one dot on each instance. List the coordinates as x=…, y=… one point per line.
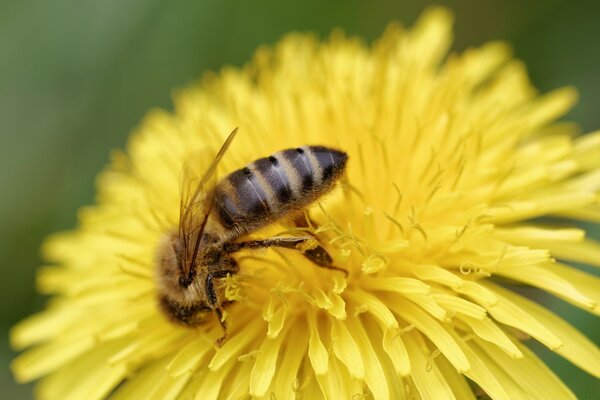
x=76, y=77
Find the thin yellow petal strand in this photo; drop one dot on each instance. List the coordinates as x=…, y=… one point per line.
x=436, y=274
x=40, y=327
x=488, y=330
x=375, y=307
x=542, y=278
x=399, y=285
x=396, y=350
x=432, y=35
x=461, y=306
x=478, y=293
x=587, y=284
x=425, y=373
x=587, y=252
x=435, y=332
x=318, y=355
x=551, y=106
x=531, y=235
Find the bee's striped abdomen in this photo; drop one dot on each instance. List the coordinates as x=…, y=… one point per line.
x=272, y=187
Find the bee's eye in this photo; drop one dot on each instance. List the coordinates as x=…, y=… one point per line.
x=184, y=281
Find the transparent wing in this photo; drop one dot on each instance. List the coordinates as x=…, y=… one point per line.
x=197, y=197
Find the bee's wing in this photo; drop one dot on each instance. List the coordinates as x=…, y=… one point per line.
x=197, y=197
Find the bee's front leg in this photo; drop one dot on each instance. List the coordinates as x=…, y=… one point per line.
x=213, y=297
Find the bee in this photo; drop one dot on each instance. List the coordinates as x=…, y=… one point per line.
x=215, y=216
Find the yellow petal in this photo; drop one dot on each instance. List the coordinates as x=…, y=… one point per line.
x=375, y=307
x=457, y=382
x=89, y=377
x=425, y=374
x=480, y=373
x=543, y=278
x=432, y=35
x=398, y=285
x=374, y=373
x=489, y=331
x=437, y=274
x=264, y=366
x=460, y=305
x=587, y=251
x=536, y=236
x=394, y=346
x=576, y=347
x=211, y=383
x=587, y=284
x=146, y=380
x=286, y=378
x=346, y=350
x=188, y=358
x=433, y=331
x=526, y=377
x=336, y=383
x=42, y=326
x=235, y=345
x=317, y=354
x=478, y=293
x=509, y=313
x=46, y=358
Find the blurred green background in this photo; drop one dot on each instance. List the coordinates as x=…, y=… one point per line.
x=77, y=76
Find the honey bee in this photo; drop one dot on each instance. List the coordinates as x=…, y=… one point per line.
x=214, y=217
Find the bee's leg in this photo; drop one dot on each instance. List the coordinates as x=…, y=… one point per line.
x=213, y=297
x=317, y=254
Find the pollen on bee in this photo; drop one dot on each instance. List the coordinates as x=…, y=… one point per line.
x=307, y=245
x=233, y=287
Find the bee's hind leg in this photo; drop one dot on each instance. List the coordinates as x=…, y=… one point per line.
x=308, y=246
x=318, y=254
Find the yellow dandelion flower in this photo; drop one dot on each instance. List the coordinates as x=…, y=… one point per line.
x=452, y=162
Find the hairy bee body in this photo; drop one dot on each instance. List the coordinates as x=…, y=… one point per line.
x=191, y=260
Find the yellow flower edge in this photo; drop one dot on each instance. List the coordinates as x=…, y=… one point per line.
x=453, y=159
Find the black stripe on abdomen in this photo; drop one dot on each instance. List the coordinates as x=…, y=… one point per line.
x=274, y=175
x=331, y=162
x=241, y=198
x=300, y=162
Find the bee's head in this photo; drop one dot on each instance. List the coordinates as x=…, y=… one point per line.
x=172, y=278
